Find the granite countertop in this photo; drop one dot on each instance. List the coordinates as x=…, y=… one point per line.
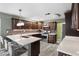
x=53, y=33
x=22, y=40
x=69, y=45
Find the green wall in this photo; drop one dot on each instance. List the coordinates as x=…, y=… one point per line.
x=59, y=30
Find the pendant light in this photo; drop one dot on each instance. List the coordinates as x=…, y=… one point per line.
x=20, y=23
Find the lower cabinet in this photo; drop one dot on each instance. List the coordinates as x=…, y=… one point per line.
x=52, y=39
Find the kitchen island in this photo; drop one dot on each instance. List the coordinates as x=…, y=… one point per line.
x=69, y=46
x=26, y=39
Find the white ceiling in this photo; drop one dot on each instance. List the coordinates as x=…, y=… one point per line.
x=32, y=10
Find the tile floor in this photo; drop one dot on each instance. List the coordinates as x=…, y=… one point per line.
x=48, y=49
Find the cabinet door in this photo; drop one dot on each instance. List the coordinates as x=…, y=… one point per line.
x=14, y=23
x=52, y=26
x=75, y=17
x=52, y=39
x=40, y=25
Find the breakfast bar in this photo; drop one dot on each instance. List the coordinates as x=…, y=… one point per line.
x=26, y=39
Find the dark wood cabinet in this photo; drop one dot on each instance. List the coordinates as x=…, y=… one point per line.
x=52, y=26
x=27, y=24
x=72, y=20
x=34, y=25
x=69, y=30
x=37, y=25
x=75, y=16
x=14, y=23
x=52, y=39
x=40, y=25
x=34, y=48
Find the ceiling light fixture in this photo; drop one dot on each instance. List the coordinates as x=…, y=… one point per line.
x=47, y=13
x=58, y=14
x=20, y=23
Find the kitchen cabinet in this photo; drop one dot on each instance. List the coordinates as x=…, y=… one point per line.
x=27, y=24
x=69, y=31
x=52, y=26
x=34, y=25
x=14, y=23
x=75, y=16
x=37, y=25
x=72, y=20
x=40, y=25
x=52, y=38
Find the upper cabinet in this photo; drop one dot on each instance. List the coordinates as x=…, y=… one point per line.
x=72, y=21
x=14, y=23
x=52, y=26
x=75, y=16
x=27, y=24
